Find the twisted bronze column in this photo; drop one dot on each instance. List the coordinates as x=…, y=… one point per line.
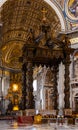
x=66, y=83
x=55, y=91
x=29, y=90
x=23, y=100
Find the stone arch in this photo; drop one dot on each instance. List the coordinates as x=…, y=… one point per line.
x=75, y=52
x=59, y=14
x=76, y=95
x=57, y=10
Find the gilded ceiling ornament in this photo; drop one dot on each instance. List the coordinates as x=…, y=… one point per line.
x=44, y=11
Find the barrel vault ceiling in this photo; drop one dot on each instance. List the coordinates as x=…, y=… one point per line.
x=18, y=17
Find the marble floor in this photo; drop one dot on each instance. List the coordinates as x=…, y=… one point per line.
x=11, y=125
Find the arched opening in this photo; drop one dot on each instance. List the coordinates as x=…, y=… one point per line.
x=76, y=102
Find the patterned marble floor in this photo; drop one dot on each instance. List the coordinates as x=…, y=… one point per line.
x=8, y=125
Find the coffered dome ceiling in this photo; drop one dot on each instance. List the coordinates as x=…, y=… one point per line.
x=18, y=17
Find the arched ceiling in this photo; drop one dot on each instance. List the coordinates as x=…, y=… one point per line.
x=18, y=17
x=76, y=55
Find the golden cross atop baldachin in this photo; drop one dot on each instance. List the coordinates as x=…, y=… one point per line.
x=44, y=11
